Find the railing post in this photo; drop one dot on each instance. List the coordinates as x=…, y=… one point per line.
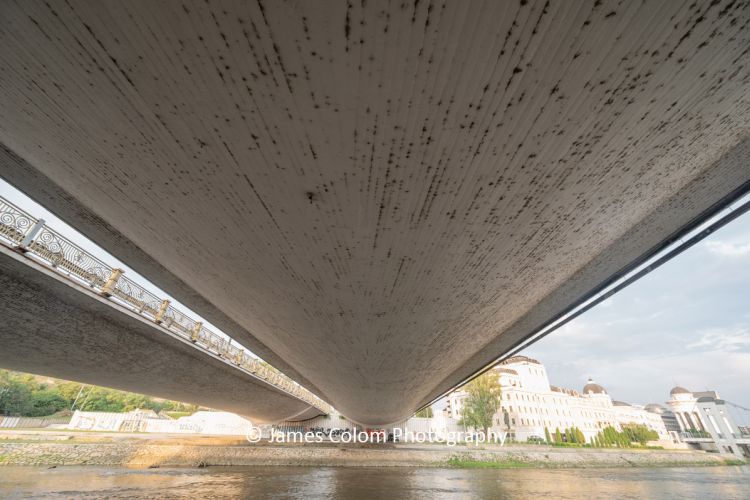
x=196, y=331
x=162, y=311
x=109, y=285
x=31, y=234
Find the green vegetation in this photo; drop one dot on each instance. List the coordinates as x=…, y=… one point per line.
x=31, y=396
x=698, y=433
x=631, y=433
x=639, y=434
x=482, y=402
x=178, y=414
x=574, y=435
x=424, y=413
x=465, y=463
x=734, y=461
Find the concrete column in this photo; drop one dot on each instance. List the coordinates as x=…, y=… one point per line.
x=109, y=285
x=699, y=420
x=688, y=420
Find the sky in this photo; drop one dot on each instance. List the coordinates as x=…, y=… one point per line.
x=686, y=323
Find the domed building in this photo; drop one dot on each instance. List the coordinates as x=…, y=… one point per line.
x=706, y=422
x=592, y=387
x=532, y=408
x=680, y=394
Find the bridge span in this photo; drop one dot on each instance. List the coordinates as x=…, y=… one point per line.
x=67, y=314
x=379, y=199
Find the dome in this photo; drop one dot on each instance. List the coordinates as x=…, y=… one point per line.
x=679, y=390
x=654, y=408
x=593, y=388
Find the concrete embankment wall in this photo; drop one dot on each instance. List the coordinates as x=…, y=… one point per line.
x=154, y=455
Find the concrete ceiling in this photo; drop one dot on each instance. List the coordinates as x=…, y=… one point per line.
x=377, y=197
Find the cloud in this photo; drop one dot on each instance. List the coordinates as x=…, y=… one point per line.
x=732, y=339
x=686, y=323
x=728, y=249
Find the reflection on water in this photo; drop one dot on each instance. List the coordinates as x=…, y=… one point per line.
x=363, y=483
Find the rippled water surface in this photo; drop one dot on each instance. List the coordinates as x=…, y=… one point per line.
x=363, y=483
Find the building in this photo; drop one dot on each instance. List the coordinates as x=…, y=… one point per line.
x=669, y=419
x=530, y=404
x=708, y=422
x=625, y=413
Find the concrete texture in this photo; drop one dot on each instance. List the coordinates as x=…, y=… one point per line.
x=51, y=326
x=378, y=199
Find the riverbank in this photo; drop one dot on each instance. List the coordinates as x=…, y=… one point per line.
x=55, y=449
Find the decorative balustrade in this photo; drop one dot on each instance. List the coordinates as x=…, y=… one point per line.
x=35, y=239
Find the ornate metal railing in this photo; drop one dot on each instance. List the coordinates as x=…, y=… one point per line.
x=40, y=242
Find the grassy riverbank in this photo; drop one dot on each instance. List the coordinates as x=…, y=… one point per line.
x=509, y=463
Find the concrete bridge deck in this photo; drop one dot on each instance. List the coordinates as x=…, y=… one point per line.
x=53, y=326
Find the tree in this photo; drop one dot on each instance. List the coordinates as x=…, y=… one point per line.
x=24, y=395
x=639, y=433
x=482, y=402
x=609, y=436
x=580, y=438
x=558, y=436
x=569, y=436
x=46, y=402
x=547, y=437
x=15, y=397
x=424, y=413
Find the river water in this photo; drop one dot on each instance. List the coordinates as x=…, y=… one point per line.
x=364, y=483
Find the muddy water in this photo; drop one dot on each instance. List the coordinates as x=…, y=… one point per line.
x=366, y=483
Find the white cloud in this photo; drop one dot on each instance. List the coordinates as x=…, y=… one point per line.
x=731, y=339
x=687, y=323
x=728, y=249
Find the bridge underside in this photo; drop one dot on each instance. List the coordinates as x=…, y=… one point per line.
x=376, y=198
x=54, y=327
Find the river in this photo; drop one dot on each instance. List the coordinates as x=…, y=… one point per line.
x=730, y=482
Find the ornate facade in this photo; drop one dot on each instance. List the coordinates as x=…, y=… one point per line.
x=530, y=404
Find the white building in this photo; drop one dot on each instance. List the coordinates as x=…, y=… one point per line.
x=707, y=422
x=626, y=413
x=530, y=404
